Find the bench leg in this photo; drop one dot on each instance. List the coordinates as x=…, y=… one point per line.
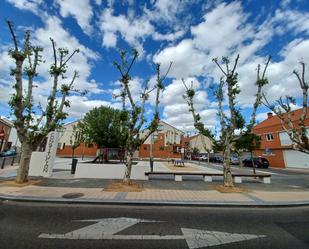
x=207, y=179
x=237, y=179
x=178, y=178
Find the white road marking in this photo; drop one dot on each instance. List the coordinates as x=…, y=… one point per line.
x=105, y=229
x=267, y=172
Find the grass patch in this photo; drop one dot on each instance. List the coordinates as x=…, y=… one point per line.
x=223, y=189
x=120, y=186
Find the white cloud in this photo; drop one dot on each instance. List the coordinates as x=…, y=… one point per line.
x=132, y=31
x=293, y=21
x=81, y=105
x=187, y=60
x=222, y=32
x=80, y=10
x=176, y=109
x=98, y=2
x=131, y=28
x=31, y=5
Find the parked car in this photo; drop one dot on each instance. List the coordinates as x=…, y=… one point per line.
x=259, y=162
x=8, y=153
x=203, y=158
x=216, y=159
x=195, y=157
x=234, y=160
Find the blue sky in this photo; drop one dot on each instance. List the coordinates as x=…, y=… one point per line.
x=189, y=33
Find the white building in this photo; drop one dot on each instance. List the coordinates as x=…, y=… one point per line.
x=172, y=135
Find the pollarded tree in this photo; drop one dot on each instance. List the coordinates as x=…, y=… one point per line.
x=135, y=108
x=235, y=121
x=297, y=132
x=34, y=123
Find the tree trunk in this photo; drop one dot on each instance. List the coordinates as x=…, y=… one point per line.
x=129, y=160
x=241, y=164
x=23, y=170
x=253, y=165
x=227, y=171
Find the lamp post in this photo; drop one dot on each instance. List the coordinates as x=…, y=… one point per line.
x=152, y=137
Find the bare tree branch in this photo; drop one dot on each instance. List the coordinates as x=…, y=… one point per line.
x=10, y=24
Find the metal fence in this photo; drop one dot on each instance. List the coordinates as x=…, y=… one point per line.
x=9, y=161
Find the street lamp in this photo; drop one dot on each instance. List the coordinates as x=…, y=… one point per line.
x=152, y=137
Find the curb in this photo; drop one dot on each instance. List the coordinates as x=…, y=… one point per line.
x=85, y=201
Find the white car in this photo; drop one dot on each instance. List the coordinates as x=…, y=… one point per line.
x=203, y=158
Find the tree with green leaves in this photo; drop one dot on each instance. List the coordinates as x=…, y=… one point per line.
x=105, y=126
x=235, y=121
x=135, y=108
x=33, y=123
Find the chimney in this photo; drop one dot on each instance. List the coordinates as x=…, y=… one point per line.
x=269, y=115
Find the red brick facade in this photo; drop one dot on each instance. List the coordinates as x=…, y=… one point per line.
x=79, y=151
x=270, y=130
x=160, y=150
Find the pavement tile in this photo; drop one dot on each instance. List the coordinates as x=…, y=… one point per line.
x=281, y=196
x=181, y=195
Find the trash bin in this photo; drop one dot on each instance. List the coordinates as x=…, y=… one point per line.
x=74, y=163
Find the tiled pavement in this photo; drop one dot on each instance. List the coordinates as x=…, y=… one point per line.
x=155, y=196
x=156, y=191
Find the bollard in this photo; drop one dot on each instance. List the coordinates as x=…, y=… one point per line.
x=74, y=163
x=3, y=162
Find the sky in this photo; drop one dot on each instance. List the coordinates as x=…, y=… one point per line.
x=188, y=33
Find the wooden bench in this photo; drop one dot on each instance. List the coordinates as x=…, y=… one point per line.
x=237, y=178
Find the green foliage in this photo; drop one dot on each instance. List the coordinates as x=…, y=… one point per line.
x=106, y=126
x=218, y=145
x=247, y=142
x=195, y=151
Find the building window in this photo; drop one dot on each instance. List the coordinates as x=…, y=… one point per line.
x=268, y=152
x=269, y=137
x=145, y=147
x=90, y=146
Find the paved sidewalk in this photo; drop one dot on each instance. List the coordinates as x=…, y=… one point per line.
x=285, y=190
x=155, y=192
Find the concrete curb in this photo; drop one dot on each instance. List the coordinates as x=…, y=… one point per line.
x=88, y=201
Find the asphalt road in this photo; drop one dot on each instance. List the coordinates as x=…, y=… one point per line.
x=29, y=225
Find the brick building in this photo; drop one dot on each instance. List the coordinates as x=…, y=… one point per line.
x=166, y=144
x=64, y=148
x=276, y=145
x=200, y=142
